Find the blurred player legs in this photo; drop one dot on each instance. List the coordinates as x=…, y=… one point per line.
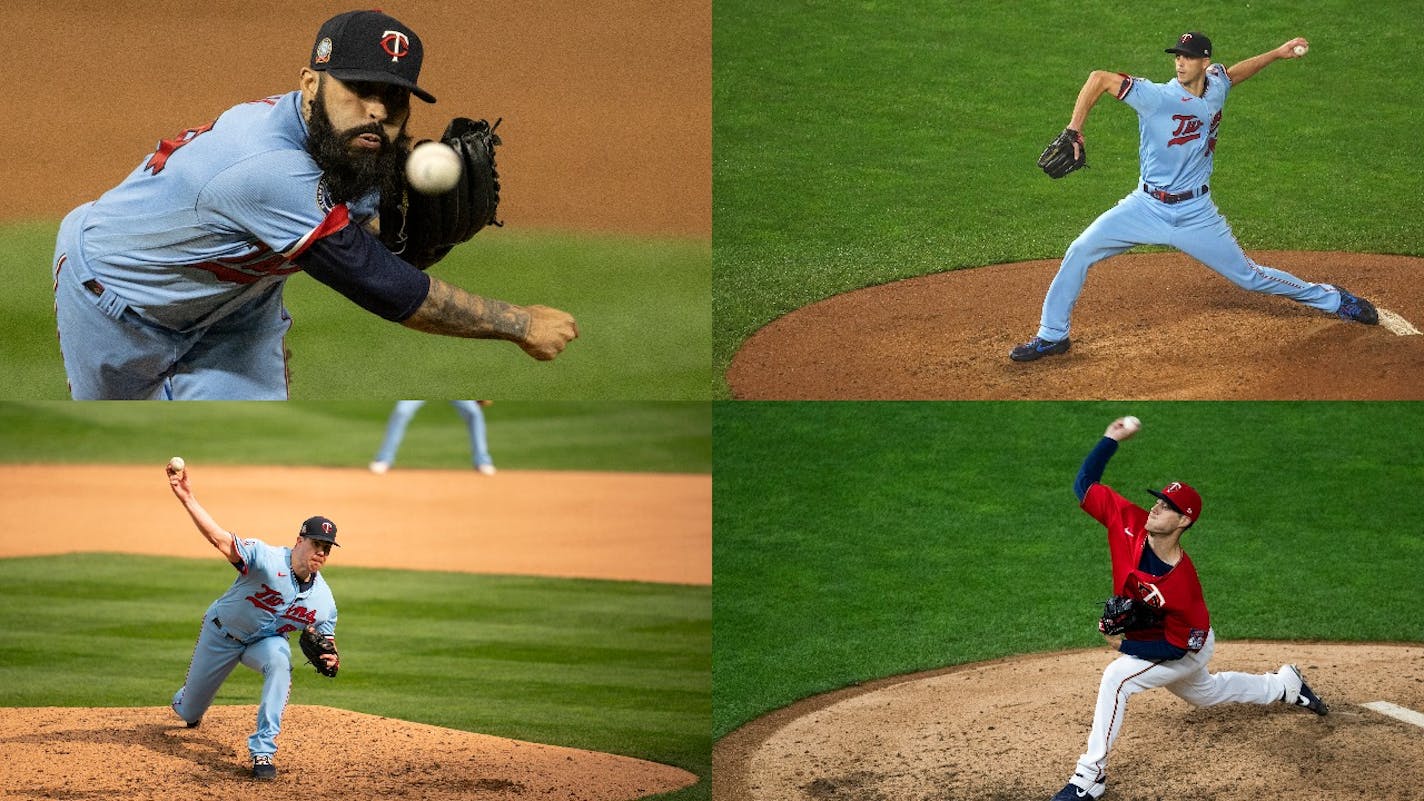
x=401, y=416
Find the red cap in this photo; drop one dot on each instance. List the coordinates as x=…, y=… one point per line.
x=1182, y=498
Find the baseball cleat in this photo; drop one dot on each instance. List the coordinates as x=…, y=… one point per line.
x=1354, y=307
x=262, y=768
x=486, y=469
x=195, y=724
x=379, y=468
x=1072, y=792
x=1038, y=347
x=1298, y=693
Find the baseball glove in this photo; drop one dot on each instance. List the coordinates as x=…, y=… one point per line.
x=1058, y=159
x=1123, y=614
x=423, y=228
x=315, y=646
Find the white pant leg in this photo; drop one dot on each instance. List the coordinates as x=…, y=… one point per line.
x=1124, y=678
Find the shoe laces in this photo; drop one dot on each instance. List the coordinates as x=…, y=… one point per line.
x=262, y=759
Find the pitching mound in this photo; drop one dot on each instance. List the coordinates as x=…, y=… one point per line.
x=1012, y=730
x=146, y=753
x=1147, y=326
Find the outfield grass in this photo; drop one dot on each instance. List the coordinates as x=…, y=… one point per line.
x=618, y=667
x=642, y=308
x=859, y=143
x=664, y=437
x=860, y=540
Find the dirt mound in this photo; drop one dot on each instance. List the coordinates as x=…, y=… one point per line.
x=619, y=526
x=146, y=753
x=1147, y=326
x=1013, y=729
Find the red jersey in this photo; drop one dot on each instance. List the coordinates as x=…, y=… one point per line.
x=1178, y=594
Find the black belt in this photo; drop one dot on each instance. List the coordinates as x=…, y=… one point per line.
x=218, y=623
x=1168, y=197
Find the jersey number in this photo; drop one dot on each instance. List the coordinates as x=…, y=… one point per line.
x=166, y=147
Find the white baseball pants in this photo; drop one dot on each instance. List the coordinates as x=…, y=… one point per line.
x=1187, y=678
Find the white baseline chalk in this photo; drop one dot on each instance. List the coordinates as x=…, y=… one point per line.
x=1397, y=712
x=1395, y=324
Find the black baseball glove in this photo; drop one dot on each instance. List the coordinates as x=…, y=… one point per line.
x=1058, y=159
x=1122, y=614
x=315, y=646
x=423, y=228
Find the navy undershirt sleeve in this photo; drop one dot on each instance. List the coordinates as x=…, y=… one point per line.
x=1092, y=470
x=355, y=263
x=1152, y=650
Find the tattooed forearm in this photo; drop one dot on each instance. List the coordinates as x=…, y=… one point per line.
x=452, y=311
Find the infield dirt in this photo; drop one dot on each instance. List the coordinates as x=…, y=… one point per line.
x=1156, y=326
x=1012, y=729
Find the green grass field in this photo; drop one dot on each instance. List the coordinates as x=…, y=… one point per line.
x=861, y=540
x=642, y=308
x=856, y=143
x=621, y=667
x=663, y=437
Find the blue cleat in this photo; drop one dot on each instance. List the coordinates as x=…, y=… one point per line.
x=1039, y=347
x=1354, y=307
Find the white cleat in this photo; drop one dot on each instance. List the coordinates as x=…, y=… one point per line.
x=487, y=469
x=379, y=468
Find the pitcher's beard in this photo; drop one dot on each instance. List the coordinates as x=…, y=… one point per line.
x=351, y=173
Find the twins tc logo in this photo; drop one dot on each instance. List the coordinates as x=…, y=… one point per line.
x=1149, y=594
x=1188, y=129
x=326, y=527
x=396, y=44
x=1173, y=487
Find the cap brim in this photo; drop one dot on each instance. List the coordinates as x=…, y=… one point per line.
x=1188, y=53
x=1166, y=500
x=377, y=76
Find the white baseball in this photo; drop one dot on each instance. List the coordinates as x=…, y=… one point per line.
x=1299, y=50
x=433, y=168
x=176, y=464
x=1131, y=424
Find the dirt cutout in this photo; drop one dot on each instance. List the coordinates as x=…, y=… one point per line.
x=1157, y=326
x=619, y=526
x=1012, y=729
x=146, y=754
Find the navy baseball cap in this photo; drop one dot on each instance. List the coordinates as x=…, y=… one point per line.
x=370, y=46
x=319, y=528
x=1192, y=43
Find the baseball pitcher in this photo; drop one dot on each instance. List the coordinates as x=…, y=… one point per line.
x=169, y=286
x=277, y=591
x=1158, y=618
x=1178, y=123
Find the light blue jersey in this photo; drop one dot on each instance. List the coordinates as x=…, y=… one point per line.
x=266, y=600
x=213, y=218
x=1177, y=129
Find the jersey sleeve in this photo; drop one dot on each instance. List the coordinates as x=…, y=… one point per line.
x=247, y=551
x=276, y=197
x=1103, y=503
x=1143, y=95
x=1219, y=80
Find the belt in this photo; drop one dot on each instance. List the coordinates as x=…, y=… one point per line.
x=1168, y=197
x=218, y=623
x=94, y=286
